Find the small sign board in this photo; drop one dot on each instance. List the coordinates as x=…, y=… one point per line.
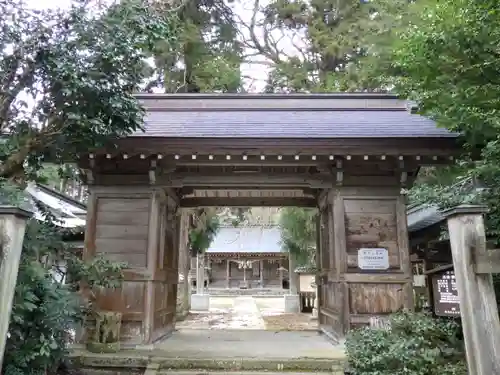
x=373, y=259
x=444, y=288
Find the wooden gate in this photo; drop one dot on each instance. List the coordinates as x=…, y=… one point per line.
x=352, y=220
x=330, y=293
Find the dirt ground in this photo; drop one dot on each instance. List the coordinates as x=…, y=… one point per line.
x=245, y=312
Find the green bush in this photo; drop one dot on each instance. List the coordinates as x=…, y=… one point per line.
x=416, y=344
x=46, y=312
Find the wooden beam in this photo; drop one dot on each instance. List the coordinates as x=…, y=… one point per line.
x=265, y=180
x=251, y=179
x=366, y=278
x=441, y=147
x=226, y=181
x=249, y=202
x=478, y=305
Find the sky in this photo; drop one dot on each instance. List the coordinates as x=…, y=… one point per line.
x=255, y=72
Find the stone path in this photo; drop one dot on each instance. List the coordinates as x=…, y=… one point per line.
x=246, y=312
x=259, y=344
x=226, y=313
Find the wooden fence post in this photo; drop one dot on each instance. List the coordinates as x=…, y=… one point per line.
x=473, y=265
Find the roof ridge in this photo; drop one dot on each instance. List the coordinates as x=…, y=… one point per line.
x=280, y=109
x=312, y=96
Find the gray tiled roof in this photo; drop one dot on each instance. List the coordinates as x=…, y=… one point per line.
x=290, y=124
x=426, y=215
x=423, y=216
x=247, y=240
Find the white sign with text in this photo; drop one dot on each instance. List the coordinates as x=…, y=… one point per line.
x=373, y=259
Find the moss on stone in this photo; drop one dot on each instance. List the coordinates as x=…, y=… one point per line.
x=122, y=362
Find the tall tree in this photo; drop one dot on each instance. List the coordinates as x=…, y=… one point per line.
x=67, y=78
x=298, y=232
x=207, y=55
x=317, y=46
x=451, y=63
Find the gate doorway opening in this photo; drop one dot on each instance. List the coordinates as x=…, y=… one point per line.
x=248, y=278
x=351, y=156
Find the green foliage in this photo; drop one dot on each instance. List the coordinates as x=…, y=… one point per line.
x=67, y=78
x=43, y=314
x=450, y=59
x=298, y=232
x=48, y=304
x=203, y=232
x=448, y=62
x=416, y=344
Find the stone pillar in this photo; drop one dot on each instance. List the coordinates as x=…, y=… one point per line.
x=261, y=273
x=314, y=315
x=200, y=301
x=12, y=226
x=280, y=271
x=245, y=274
x=292, y=276
x=292, y=300
x=228, y=271
x=200, y=274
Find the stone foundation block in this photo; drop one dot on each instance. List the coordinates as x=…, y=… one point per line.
x=200, y=302
x=292, y=303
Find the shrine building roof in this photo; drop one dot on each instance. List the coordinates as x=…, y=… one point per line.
x=251, y=239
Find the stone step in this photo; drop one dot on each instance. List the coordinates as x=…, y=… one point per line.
x=154, y=371
x=158, y=364
x=247, y=292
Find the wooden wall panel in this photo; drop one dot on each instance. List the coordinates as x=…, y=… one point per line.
x=122, y=229
x=164, y=311
x=118, y=228
x=371, y=223
x=375, y=298
x=129, y=300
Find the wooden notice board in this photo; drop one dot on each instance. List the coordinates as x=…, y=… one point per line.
x=445, y=293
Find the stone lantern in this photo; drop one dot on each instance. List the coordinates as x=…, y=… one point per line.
x=12, y=227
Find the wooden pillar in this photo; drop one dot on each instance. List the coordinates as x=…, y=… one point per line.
x=473, y=265
x=152, y=261
x=228, y=271
x=184, y=287
x=261, y=273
